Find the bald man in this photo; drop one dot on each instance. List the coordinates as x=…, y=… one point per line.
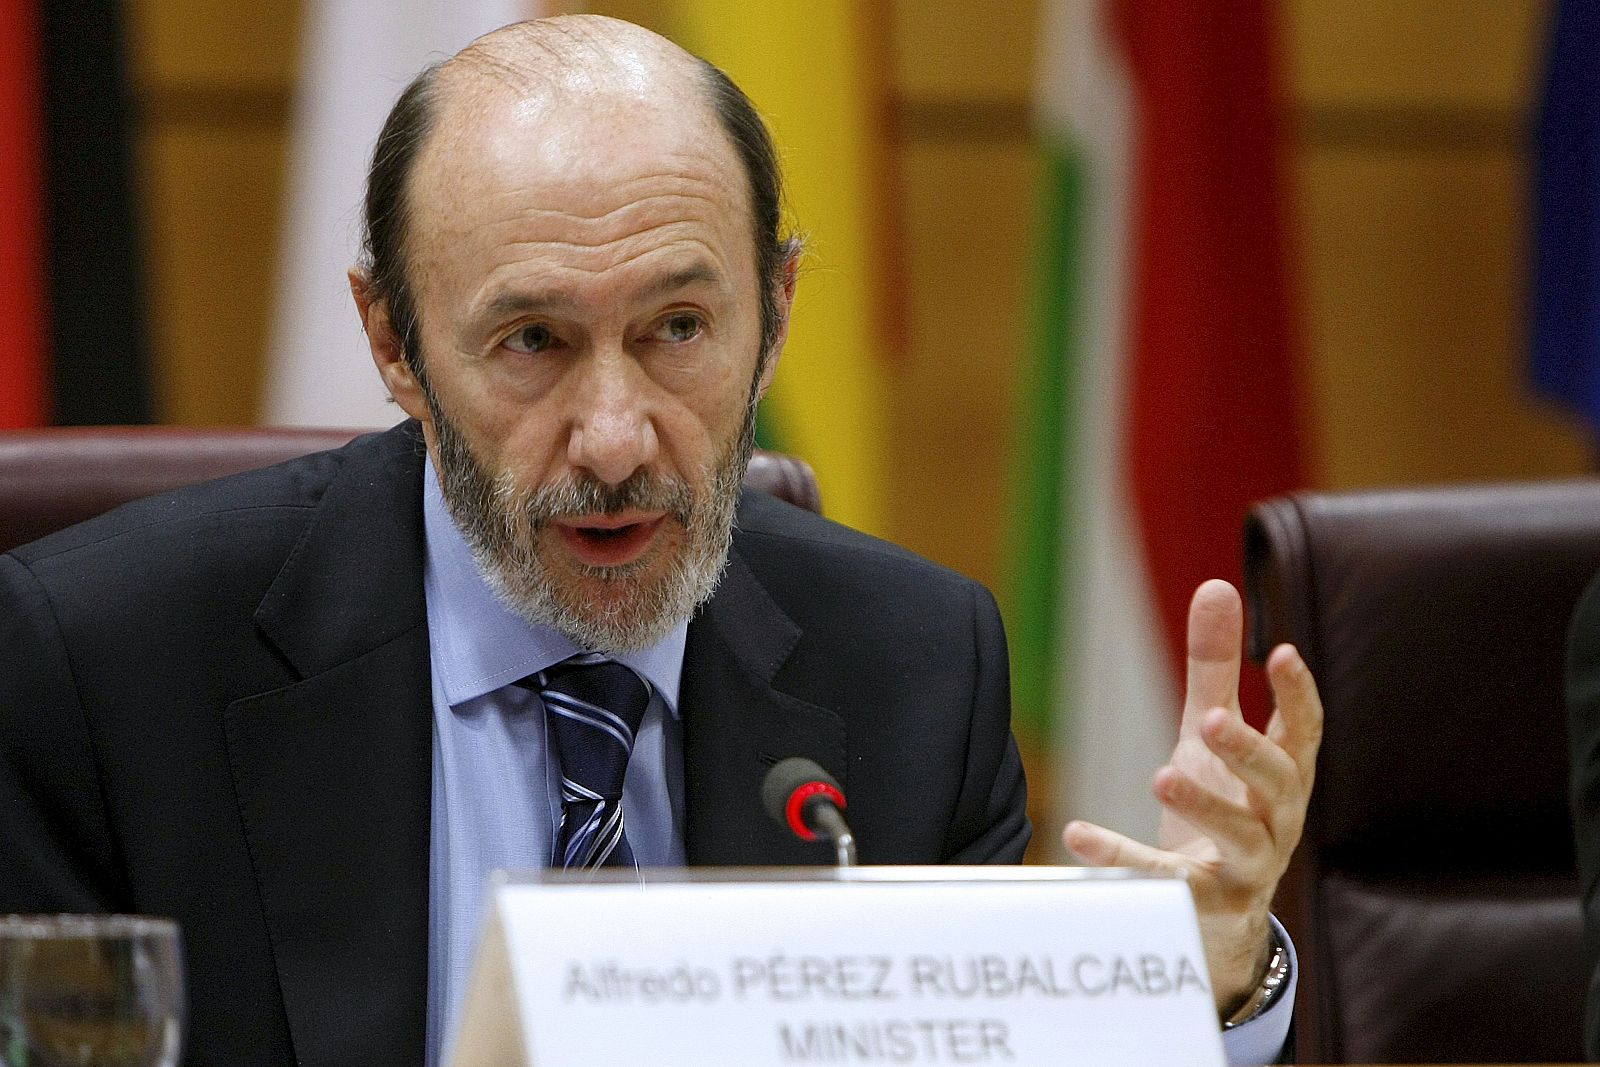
x=304, y=710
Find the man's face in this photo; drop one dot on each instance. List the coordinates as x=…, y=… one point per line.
x=584, y=274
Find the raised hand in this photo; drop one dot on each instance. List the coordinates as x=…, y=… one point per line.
x=1233, y=800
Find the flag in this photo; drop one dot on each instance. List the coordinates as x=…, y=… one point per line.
x=816, y=72
x=70, y=294
x=359, y=55
x=24, y=389
x=1566, y=267
x=1161, y=397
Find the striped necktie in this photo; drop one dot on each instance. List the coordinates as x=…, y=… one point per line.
x=594, y=706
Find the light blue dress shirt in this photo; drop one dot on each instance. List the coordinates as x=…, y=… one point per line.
x=497, y=786
x=496, y=782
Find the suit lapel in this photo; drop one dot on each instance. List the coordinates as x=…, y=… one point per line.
x=332, y=772
x=737, y=725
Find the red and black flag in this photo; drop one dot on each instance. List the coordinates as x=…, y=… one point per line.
x=72, y=349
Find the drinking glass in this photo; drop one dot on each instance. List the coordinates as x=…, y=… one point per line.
x=90, y=991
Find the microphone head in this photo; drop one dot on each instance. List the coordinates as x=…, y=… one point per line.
x=787, y=787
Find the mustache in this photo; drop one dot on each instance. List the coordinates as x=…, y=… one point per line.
x=583, y=494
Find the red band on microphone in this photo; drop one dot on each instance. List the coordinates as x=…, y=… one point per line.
x=797, y=802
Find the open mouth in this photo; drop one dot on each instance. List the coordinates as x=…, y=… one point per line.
x=608, y=540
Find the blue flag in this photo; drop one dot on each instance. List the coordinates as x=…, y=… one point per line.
x=1566, y=296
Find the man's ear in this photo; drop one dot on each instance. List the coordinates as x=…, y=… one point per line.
x=388, y=353
x=791, y=276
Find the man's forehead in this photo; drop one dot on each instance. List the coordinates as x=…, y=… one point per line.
x=578, y=109
x=534, y=154
x=534, y=136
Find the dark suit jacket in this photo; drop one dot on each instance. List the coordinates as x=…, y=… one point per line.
x=214, y=705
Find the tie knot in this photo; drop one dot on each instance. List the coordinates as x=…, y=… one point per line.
x=595, y=706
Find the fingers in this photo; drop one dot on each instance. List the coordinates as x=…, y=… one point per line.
x=1100, y=847
x=1266, y=814
x=1296, y=726
x=1216, y=638
x=1236, y=831
x=1267, y=771
x=1234, y=799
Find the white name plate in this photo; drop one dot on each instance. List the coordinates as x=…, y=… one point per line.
x=995, y=965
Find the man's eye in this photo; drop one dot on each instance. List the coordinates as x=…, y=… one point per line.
x=535, y=337
x=680, y=328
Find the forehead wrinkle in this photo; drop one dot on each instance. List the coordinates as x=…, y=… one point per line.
x=584, y=201
x=553, y=228
x=596, y=250
x=518, y=237
x=600, y=241
x=664, y=202
x=518, y=280
x=514, y=302
x=611, y=237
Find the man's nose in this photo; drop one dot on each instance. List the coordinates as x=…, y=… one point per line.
x=612, y=432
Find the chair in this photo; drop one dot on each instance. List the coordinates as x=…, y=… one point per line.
x=1434, y=896
x=52, y=478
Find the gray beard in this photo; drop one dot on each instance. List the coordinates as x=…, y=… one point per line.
x=502, y=523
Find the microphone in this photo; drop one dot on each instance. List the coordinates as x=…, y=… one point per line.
x=804, y=799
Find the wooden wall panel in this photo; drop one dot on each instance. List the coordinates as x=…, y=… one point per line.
x=1412, y=173
x=212, y=249
x=959, y=50
x=963, y=75
x=1444, y=54
x=968, y=215
x=1414, y=269
x=191, y=44
x=212, y=90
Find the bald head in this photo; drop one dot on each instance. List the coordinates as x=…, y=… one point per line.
x=613, y=74
x=573, y=55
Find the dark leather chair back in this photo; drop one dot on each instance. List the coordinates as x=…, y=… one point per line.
x=52, y=478
x=1434, y=897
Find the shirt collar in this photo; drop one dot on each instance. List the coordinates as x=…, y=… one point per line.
x=478, y=645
